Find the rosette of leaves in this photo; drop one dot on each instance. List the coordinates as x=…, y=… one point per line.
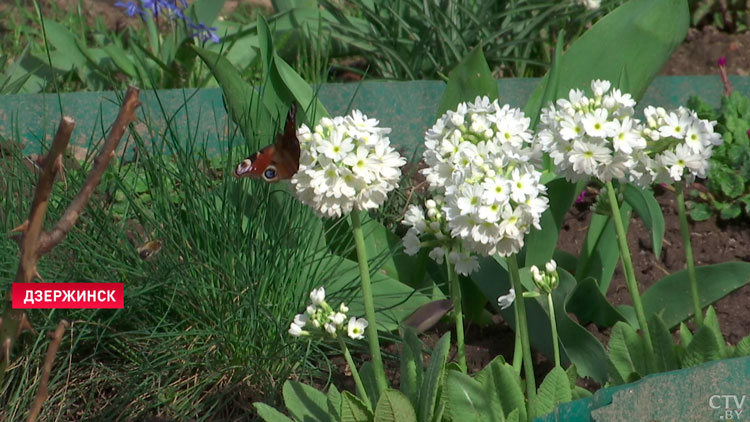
x=728, y=179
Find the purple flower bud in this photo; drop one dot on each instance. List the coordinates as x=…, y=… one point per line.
x=581, y=197
x=722, y=61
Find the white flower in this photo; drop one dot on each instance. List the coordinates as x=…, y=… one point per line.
x=412, y=244
x=343, y=308
x=330, y=328
x=679, y=146
x=463, y=262
x=506, y=300
x=551, y=266
x=301, y=319
x=356, y=328
x=346, y=164
x=590, y=4
x=317, y=296
x=338, y=318
x=592, y=137
x=296, y=330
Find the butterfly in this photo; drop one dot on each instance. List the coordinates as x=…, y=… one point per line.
x=278, y=161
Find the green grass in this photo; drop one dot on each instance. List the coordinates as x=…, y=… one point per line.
x=204, y=329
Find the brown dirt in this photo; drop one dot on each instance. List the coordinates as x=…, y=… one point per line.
x=702, y=48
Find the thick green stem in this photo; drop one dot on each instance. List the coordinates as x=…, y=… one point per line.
x=355, y=373
x=458, y=308
x=372, y=327
x=627, y=265
x=685, y=230
x=523, y=328
x=518, y=347
x=553, y=325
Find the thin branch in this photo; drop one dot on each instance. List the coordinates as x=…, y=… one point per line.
x=75, y=209
x=42, y=393
x=33, y=227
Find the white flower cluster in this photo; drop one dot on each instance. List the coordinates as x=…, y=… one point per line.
x=486, y=190
x=592, y=136
x=482, y=160
x=434, y=226
x=323, y=320
x=346, y=163
x=680, y=145
x=599, y=137
x=546, y=280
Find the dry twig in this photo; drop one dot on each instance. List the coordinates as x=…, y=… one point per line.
x=34, y=242
x=42, y=393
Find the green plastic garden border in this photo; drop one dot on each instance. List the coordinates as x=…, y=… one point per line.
x=407, y=107
x=702, y=393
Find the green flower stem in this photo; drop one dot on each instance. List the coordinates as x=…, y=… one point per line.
x=685, y=230
x=372, y=327
x=627, y=264
x=523, y=328
x=355, y=373
x=553, y=325
x=518, y=347
x=458, y=308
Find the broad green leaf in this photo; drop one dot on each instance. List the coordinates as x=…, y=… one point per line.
x=640, y=34
x=393, y=406
x=578, y=344
x=555, y=389
x=661, y=338
x=205, y=11
x=588, y=303
x=305, y=403
x=686, y=336
x=466, y=399
x=671, y=297
x=600, y=253
x=64, y=41
x=367, y=373
x=503, y=388
x=120, y=58
x=703, y=348
x=353, y=409
x=287, y=5
x=515, y=415
x=334, y=400
x=433, y=379
x=411, y=365
x=627, y=355
x=540, y=244
x=699, y=211
x=743, y=347
x=711, y=321
x=243, y=102
x=471, y=78
x=269, y=414
x=393, y=300
x=645, y=205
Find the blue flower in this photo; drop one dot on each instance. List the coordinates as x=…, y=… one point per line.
x=205, y=33
x=131, y=8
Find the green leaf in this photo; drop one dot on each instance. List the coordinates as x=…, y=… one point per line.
x=205, y=11
x=64, y=41
x=515, y=415
x=743, y=347
x=433, y=380
x=666, y=360
x=555, y=389
x=670, y=296
x=711, y=321
x=732, y=210
x=503, y=388
x=732, y=185
x=627, y=356
x=640, y=34
x=334, y=400
x=703, y=348
x=540, y=244
x=645, y=205
x=411, y=365
x=471, y=78
x=600, y=253
x=588, y=303
x=699, y=211
x=305, y=403
x=353, y=409
x=269, y=414
x=686, y=336
x=466, y=399
x=393, y=300
x=367, y=373
x=242, y=100
x=393, y=406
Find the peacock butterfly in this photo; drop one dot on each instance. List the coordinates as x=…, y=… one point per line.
x=278, y=161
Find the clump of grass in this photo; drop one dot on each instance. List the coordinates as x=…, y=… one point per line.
x=204, y=329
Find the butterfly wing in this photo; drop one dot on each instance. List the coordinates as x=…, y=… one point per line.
x=278, y=161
